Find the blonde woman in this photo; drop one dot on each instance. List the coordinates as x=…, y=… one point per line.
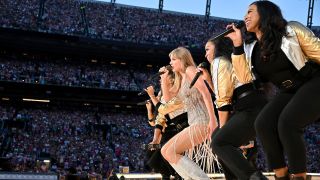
x=201, y=118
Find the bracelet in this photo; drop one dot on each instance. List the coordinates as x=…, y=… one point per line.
x=152, y=96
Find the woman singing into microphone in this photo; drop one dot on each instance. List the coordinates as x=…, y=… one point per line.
x=246, y=101
x=201, y=118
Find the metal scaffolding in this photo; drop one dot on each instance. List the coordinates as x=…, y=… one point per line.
x=310, y=13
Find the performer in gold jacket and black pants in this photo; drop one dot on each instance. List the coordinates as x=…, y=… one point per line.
x=169, y=119
x=245, y=100
x=288, y=55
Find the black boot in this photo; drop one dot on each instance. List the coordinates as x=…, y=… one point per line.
x=257, y=176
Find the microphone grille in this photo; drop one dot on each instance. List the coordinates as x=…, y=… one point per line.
x=203, y=65
x=169, y=68
x=239, y=24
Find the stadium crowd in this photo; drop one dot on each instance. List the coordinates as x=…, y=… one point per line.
x=112, y=22
x=94, y=142
x=88, y=141
x=91, y=141
x=75, y=73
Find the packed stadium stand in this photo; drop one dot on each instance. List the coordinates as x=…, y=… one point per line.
x=86, y=61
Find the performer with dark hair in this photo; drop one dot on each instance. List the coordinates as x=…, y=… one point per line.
x=221, y=81
x=288, y=55
x=238, y=105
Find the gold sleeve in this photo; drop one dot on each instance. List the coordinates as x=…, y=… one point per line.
x=241, y=68
x=309, y=43
x=170, y=106
x=162, y=121
x=225, y=83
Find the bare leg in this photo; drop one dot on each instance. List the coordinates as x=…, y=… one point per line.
x=172, y=151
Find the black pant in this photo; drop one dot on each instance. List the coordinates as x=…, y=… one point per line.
x=237, y=131
x=281, y=122
x=157, y=161
x=228, y=175
x=155, y=158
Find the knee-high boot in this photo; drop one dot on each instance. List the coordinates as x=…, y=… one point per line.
x=188, y=169
x=180, y=171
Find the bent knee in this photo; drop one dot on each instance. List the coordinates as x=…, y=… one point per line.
x=163, y=152
x=287, y=126
x=168, y=154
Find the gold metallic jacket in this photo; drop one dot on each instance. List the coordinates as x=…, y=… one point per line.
x=223, y=81
x=174, y=107
x=300, y=46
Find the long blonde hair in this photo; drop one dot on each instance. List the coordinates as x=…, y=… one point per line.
x=185, y=56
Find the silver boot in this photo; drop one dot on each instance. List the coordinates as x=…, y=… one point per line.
x=188, y=169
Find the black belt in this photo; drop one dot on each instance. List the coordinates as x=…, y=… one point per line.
x=181, y=126
x=286, y=84
x=243, y=91
x=307, y=72
x=290, y=85
x=242, y=95
x=176, y=127
x=151, y=146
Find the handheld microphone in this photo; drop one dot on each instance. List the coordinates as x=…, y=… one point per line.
x=194, y=80
x=143, y=102
x=168, y=67
x=143, y=92
x=238, y=25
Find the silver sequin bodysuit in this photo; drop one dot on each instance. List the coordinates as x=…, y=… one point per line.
x=194, y=104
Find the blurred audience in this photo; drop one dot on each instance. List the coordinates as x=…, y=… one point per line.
x=75, y=73
x=85, y=140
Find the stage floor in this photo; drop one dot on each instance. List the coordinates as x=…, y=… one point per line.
x=137, y=176
x=130, y=176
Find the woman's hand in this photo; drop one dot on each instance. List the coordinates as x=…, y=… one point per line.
x=235, y=36
x=205, y=74
x=211, y=128
x=155, y=142
x=164, y=78
x=150, y=91
x=148, y=105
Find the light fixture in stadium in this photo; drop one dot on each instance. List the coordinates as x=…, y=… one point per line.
x=36, y=100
